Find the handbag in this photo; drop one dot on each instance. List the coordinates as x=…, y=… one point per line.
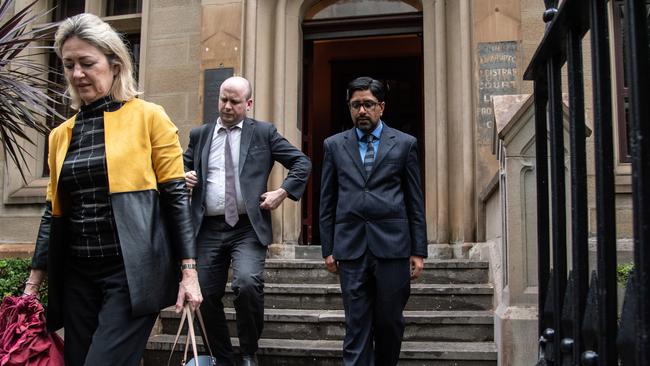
x=24, y=339
x=198, y=360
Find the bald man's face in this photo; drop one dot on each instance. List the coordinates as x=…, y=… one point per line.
x=233, y=103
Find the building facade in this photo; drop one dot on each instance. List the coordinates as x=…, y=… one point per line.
x=443, y=62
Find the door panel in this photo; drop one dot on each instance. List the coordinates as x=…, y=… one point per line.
x=329, y=65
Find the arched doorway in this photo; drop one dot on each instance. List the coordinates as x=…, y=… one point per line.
x=345, y=39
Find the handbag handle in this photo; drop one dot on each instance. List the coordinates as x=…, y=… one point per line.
x=188, y=315
x=204, y=334
x=191, y=337
x=178, y=334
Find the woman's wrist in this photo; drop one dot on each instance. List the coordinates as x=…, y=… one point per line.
x=31, y=288
x=32, y=285
x=188, y=267
x=34, y=281
x=185, y=266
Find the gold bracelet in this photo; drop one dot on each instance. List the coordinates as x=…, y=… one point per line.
x=33, y=283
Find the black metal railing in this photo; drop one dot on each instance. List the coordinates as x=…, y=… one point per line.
x=578, y=321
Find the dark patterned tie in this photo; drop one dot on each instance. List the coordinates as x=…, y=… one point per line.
x=230, y=209
x=369, y=158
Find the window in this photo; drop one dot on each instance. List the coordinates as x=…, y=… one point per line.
x=622, y=93
x=67, y=8
x=133, y=43
x=122, y=7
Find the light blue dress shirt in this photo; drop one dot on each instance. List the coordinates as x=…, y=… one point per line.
x=363, y=146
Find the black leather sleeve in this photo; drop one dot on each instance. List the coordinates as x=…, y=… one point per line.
x=39, y=260
x=175, y=204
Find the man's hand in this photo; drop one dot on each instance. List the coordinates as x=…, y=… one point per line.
x=417, y=264
x=190, y=179
x=330, y=263
x=272, y=199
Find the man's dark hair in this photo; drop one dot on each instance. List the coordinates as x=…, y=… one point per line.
x=366, y=83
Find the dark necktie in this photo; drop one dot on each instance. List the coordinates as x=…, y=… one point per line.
x=230, y=208
x=369, y=158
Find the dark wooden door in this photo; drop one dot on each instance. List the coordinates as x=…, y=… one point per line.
x=329, y=66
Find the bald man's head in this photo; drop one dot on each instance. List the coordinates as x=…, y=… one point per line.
x=238, y=82
x=234, y=100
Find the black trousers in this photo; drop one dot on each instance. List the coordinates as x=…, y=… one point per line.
x=218, y=247
x=98, y=325
x=375, y=292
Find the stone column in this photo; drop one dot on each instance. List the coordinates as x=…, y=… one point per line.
x=459, y=138
x=272, y=61
x=435, y=125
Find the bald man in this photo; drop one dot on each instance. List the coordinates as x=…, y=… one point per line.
x=227, y=166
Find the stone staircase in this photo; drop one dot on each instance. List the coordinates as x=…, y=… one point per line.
x=449, y=317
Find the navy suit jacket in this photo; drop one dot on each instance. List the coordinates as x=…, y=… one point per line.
x=383, y=212
x=261, y=145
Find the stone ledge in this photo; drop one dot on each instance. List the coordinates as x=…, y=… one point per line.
x=313, y=252
x=317, y=316
x=326, y=348
x=428, y=263
x=313, y=288
x=16, y=250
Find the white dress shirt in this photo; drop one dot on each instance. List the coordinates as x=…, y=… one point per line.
x=215, y=196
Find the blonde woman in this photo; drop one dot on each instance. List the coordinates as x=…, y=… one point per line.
x=116, y=236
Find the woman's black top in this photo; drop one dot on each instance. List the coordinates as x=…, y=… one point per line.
x=84, y=178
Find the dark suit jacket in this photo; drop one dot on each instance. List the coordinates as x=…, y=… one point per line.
x=261, y=146
x=385, y=212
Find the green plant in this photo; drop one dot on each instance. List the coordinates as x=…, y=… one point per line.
x=27, y=97
x=623, y=272
x=13, y=274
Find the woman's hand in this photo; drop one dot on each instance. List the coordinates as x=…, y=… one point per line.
x=33, y=283
x=189, y=289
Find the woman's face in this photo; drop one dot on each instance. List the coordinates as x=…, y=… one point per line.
x=87, y=69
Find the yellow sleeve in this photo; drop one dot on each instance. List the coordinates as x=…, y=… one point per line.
x=166, y=151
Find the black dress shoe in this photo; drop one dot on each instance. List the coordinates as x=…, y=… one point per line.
x=248, y=360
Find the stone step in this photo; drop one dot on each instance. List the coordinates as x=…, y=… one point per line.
x=435, y=271
x=290, y=352
x=328, y=296
x=425, y=326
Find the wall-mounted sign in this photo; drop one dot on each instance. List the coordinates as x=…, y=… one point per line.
x=497, y=75
x=212, y=79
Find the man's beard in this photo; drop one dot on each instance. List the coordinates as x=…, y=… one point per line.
x=364, y=124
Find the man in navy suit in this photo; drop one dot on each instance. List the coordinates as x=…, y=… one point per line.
x=372, y=225
x=227, y=165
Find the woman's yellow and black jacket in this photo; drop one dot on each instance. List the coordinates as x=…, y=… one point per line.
x=150, y=204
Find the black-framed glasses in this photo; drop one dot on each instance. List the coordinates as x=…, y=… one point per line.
x=368, y=105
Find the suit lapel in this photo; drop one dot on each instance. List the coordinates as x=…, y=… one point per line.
x=352, y=147
x=205, y=150
x=248, y=127
x=386, y=143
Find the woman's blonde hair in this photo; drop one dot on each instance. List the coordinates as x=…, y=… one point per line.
x=91, y=29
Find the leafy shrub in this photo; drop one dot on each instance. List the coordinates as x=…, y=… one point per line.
x=13, y=274
x=623, y=272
